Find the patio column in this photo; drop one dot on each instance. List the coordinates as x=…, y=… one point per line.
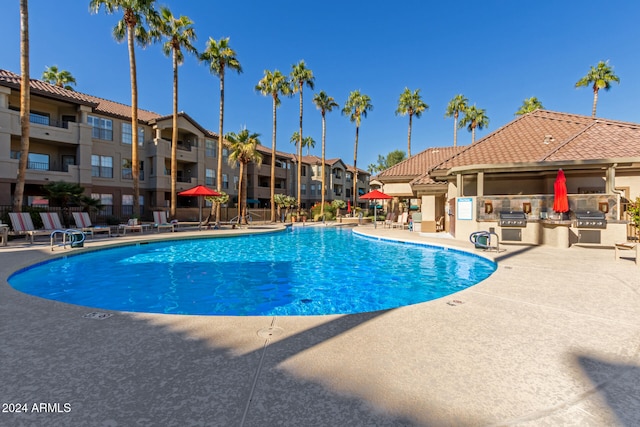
x=480, y=184
x=459, y=185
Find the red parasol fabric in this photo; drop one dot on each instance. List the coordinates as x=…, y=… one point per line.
x=199, y=191
x=375, y=195
x=560, y=199
x=348, y=206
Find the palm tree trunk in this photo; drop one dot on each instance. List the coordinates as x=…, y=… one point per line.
x=455, y=129
x=242, y=197
x=174, y=140
x=595, y=102
x=300, y=156
x=323, y=166
x=473, y=134
x=135, y=167
x=25, y=106
x=355, y=169
x=409, y=137
x=273, y=164
x=218, y=206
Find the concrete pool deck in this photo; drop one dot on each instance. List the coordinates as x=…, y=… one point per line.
x=551, y=338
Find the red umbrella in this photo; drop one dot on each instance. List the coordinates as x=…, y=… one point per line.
x=348, y=206
x=375, y=195
x=560, y=199
x=199, y=191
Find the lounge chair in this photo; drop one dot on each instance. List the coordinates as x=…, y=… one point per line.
x=391, y=217
x=23, y=225
x=160, y=220
x=402, y=221
x=51, y=221
x=440, y=224
x=131, y=225
x=83, y=222
x=635, y=247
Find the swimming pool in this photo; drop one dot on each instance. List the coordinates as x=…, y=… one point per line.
x=306, y=271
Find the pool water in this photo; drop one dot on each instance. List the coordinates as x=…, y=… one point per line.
x=306, y=271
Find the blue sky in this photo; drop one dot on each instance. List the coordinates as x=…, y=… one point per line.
x=496, y=53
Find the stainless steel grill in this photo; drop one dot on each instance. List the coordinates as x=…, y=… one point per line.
x=590, y=219
x=512, y=219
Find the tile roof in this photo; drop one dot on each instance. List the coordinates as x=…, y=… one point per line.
x=544, y=136
x=420, y=163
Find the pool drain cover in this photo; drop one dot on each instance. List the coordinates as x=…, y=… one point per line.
x=270, y=332
x=97, y=315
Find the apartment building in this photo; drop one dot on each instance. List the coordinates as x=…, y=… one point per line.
x=79, y=138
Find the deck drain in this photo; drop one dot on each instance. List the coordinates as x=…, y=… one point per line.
x=270, y=332
x=97, y=315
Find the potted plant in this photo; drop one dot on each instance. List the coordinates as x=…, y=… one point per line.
x=303, y=215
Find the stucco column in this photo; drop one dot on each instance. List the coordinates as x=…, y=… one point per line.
x=459, y=190
x=480, y=184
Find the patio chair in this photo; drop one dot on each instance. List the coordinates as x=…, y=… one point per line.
x=51, y=221
x=391, y=217
x=635, y=247
x=83, y=222
x=160, y=220
x=23, y=225
x=402, y=221
x=440, y=224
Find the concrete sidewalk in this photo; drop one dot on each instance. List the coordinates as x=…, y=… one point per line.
x=551, y=338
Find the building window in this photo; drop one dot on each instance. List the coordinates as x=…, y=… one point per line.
x=210, y=178
x=225, y=153
x=102, y=166
x=106, y=200
x=127, y=172
x=304, y=170
x=210, y=148
x=225, y=181
x=235, y=182
x=303, y=188
x=313, y=189
x=127, y=134
x=101, y=128
x=127, y=204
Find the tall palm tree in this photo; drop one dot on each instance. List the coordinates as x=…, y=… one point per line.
x=220, y=57
x=324, y=103
x=457, y=105
x=356, y=107
x=25, y=106
x=601, y=77
x=274, y=84
x=474, y=118
x=529, y=105
x=300, y=76
x=136, y=14
x=411, y=103
x=59, y=78
x=243, y=150
x=179, y=35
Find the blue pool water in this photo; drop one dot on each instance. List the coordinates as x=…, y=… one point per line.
x=307, y=271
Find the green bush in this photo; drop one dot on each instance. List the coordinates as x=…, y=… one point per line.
x=329, y=212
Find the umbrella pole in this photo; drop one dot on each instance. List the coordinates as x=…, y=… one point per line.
x=375, y=213
x=200, y=209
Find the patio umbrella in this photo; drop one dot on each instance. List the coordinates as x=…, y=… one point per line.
x=560, y=199
x=199, y=191
x=348, y=206
x=375, y=195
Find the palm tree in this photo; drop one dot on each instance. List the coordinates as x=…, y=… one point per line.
x=529, y=105
x=411, y=103
x=274, y=84
x=457, y=105
x=307, y=141
x=356, y=107
x=179, y=34
x=300, y=76
x=243, y=150
x=136, y=13
x=601, y=77
x=25, y=106
x=324, y=103
x=220, y=57
x=57, y=78
x=474, y=118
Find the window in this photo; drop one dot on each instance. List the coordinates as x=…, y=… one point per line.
x=127, y=134
x=210, y=148
x=102, y=128
x=304, y=170
x=210, y=177
x=127, y=204
x=235, y=182
x=106, y=200
x=102, y=166
x=225, y=181
x=225, y=153
x=127, y=172
x=313, y=189
x=303, y=188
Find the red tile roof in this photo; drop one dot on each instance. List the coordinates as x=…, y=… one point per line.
x=419, y=164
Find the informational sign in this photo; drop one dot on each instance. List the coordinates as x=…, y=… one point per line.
x=464, y=208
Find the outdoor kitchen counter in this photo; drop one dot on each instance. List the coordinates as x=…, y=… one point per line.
x=555, y=232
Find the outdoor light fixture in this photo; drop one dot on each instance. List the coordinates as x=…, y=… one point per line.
x=526, y=207
x=488, y=208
